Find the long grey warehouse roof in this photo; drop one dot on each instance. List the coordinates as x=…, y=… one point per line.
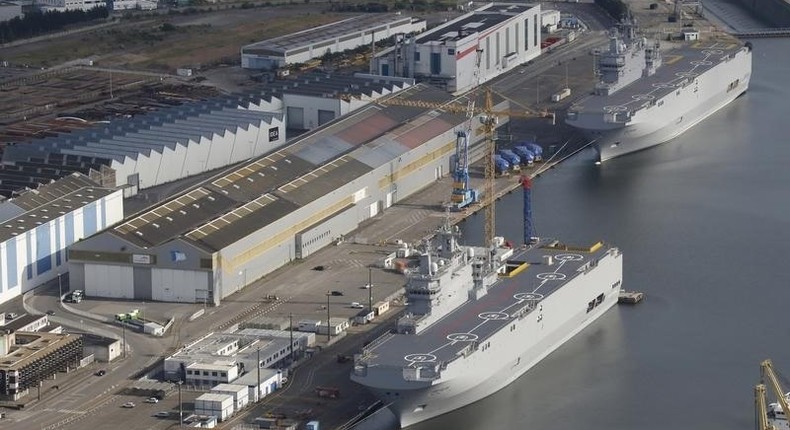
x=49, y=202
x=238, y=202
x=318, y=34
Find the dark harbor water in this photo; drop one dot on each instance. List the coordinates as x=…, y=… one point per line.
x=704, y=225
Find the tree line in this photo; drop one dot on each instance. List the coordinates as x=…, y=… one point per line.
x=37, y=23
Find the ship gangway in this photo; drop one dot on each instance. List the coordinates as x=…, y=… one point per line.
x=762, y=33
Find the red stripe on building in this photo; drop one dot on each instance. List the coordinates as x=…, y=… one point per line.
x=462, y=54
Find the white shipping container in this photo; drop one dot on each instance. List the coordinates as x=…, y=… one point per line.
x=565, y=92
x=218, y=405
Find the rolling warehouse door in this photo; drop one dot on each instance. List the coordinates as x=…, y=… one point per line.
x=295, y=117
x=324, y=116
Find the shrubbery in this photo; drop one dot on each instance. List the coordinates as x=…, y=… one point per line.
x=38, y=23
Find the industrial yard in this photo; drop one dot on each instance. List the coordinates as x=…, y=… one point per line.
x=330, y=208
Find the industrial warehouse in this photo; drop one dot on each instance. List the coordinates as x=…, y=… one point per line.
x=316, y=42
x=181, y=141
x=447, y=56
x=39, y=224
x=212, y=240
x=170, y=144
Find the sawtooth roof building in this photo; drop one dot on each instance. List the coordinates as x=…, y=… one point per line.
x=210, y=241
x=185, y=140
x=169, y=144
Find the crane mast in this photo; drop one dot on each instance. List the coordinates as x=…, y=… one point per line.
x=767, y=372
x=489, y=121
x=761, y=414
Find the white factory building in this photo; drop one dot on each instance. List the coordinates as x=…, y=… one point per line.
x=224, y=233
x=172, y=143
x=38, y=225
x=314, y=43
x=508, y=35
x=66, y=5
x=116, y=5
x=218, y=358
x=314, y=99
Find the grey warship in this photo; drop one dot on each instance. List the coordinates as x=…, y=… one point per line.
x=645, y=97
x=478, y=318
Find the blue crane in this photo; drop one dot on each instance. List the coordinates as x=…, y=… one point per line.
x=463, y=195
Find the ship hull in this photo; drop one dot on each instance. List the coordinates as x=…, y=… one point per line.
x=638, y=137
x=672, y=115
x=510, y=353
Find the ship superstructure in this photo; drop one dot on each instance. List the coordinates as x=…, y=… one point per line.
x=644, y=97
x=479, y=318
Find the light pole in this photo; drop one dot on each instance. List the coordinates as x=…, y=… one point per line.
x=328, y=329
x=291, y=333
x=370, y=289
x=60, y=289
x=123, y=330
x=180, y=405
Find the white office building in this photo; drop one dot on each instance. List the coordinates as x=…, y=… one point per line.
x=503, y=35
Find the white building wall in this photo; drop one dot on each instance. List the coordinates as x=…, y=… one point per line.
x=9, y=11
x=133, y=5
x=504, y=46
x=240, y=394
x=209, y=153
x=549, y=17
x=222, y=409
x=196, y=159
x=311, y=106
x=170, y=285
x=26, y=266
x=110, y=281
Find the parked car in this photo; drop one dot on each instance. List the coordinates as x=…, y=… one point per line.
x=50, y=312
x=162, y=414
x=128, y=405
x=355, y=305
x=336, y=293
x=152, y=400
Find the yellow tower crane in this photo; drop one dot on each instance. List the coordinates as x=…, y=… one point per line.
x=760, y=411
x=489, y=120
x=768, y=375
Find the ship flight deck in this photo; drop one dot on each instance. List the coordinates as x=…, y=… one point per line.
x=476, y=320
x=679, y=68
